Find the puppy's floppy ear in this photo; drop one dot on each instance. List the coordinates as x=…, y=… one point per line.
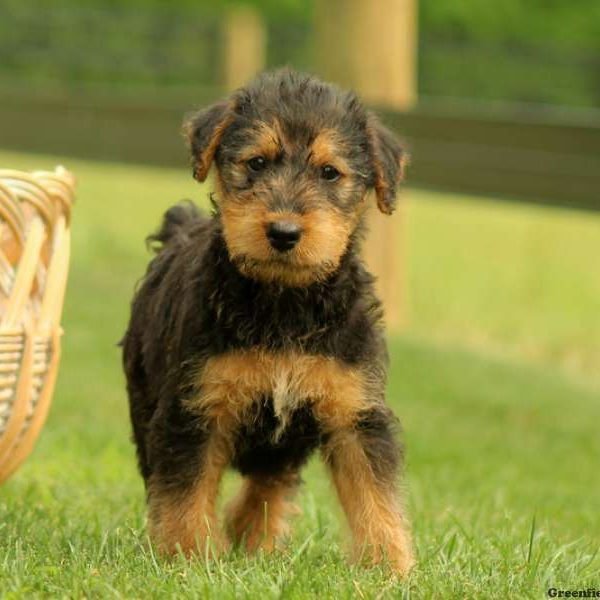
x=389, y=160
x=203, y=132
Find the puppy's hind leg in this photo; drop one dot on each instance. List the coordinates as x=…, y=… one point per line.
x=257, y=517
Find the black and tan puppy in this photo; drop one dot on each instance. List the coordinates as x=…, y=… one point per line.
x=256, y=338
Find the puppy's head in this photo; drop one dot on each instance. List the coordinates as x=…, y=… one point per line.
x=295, y=158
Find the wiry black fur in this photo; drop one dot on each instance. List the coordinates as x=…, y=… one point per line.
x=257, y=453
x=194, y=304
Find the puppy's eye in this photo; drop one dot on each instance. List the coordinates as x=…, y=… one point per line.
x=330, y=173
x=257, y=163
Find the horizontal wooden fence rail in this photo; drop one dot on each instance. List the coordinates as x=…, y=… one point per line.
x=537, y=158
x=534, y=157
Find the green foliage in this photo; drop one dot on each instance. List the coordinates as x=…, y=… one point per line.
x=543, y=51
x=502, y=456
x=297, y=10
x=519, y=50
x=551, y=24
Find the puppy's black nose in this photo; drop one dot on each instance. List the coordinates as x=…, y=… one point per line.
x=283, y=235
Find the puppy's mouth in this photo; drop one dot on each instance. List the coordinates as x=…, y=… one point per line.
x=283, y=268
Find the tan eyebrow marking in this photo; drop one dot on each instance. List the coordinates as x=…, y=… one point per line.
x=327, y=149
x=267, y=142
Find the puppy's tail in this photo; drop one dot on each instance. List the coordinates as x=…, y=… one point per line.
x=176, y=224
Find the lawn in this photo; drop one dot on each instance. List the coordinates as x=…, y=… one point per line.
x=493, y=380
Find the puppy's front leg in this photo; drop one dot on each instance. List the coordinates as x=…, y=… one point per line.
x=181, y=504
x=363, y=461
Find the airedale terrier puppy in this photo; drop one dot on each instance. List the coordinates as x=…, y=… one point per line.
x=256, y=336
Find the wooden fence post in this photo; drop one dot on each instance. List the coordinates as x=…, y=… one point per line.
x=370, y=46
x=244, y=41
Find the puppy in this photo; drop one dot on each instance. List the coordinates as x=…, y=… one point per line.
x=256, y=338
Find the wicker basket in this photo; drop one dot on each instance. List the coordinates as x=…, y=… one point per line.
x=34, y=260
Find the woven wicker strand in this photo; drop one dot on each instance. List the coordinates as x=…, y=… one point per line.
x=34, y=261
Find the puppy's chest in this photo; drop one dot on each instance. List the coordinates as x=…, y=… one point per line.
x=231, y=384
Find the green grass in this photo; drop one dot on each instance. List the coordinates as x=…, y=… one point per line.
x=502, y=455
x=515, y=280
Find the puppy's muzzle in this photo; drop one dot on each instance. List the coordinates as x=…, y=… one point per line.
x=283, y=235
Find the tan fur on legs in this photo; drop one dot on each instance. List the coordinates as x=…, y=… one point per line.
x=257, y=516
x=187, y=518
x=373, y=508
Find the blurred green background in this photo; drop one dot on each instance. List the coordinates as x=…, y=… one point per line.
x=496, y=360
